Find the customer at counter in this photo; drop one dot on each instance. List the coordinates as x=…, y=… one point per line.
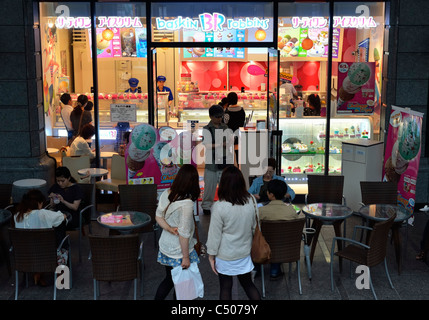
x=313, y=105
x=259, y=185
x=66, y=110
x=234, y=118
x=289, y=88
x=160, y=81
x=212, y=172
x=79, y=116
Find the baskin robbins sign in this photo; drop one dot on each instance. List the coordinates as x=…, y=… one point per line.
x=211, y=22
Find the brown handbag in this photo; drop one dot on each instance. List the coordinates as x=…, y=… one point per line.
x=261, y=251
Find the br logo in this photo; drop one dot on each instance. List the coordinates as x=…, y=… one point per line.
x=362, y=281
x=63, y=278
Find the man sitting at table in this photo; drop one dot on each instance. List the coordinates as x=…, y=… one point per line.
x=276, y=209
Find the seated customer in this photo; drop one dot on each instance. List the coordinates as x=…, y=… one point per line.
x=276, y=209
x=66, y=196
x=259, y=185
x=80, y=146
x=31, y=215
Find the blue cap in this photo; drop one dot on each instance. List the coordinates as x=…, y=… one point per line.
x=133, y=82
x=161, y=78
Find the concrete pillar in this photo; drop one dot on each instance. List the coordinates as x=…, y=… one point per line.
x=22, y=126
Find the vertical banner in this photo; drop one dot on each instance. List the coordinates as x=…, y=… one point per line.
x=154, y=156
x=402, y=155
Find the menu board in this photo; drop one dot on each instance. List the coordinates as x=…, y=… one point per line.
x=308, y=43
x=226, y=35
x=121, y=42
x=123, y=112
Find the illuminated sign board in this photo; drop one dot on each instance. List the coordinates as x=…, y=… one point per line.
x=211, y=22
x=339, y=22
x=63, y=22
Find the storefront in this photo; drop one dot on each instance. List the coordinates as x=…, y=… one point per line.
x=257, y=49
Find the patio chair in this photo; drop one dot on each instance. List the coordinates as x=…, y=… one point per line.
x=378, y=192
x=76, y=163
x=327, y=189
x=87, y=208
x=116, y=258
x=284, y=238
x=118, y=176
x=35, y=250
x=143, y=198
x=370, y=254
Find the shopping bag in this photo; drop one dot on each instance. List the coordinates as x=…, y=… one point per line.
x=188, y=283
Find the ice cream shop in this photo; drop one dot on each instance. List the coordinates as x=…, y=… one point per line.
x=309, y=73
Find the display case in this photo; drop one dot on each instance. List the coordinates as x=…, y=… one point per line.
x=304, y=144
x=195, y=105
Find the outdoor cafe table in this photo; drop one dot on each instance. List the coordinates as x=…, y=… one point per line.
x=20, y=187
x=124, y=221
x=326, y=214
x=379, y=212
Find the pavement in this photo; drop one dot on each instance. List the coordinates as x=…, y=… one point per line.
x=411, y=284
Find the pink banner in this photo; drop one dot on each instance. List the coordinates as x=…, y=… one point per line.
x=356, y=83
x=402, y=155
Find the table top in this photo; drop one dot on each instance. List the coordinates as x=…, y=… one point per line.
x=327, y=211
x=29, y=183
x=52, y=150
x=380, y=212
x=124, y=220
x=93, y=172
x=107, y=154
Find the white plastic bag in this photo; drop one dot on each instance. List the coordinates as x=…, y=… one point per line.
x=188, y=282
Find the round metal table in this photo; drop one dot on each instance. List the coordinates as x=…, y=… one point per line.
x=124, y=221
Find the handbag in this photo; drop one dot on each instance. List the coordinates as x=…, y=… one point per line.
x=261, y=251
x=199, y=247
x=188, y=283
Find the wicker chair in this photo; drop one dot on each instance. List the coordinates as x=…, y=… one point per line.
x=284, y=238
x=143, y=198
x=35, y=250
x=118, y=176
x=116, y=258
x=322, y=188
x=87, y=207
x=378, y=192
x=328, y=189
x=370, y=254
x=5, y=195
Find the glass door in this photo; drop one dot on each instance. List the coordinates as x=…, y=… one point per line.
x=273, y=106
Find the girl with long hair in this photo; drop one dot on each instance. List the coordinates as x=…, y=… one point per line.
x=175, y=216
x=232, y=225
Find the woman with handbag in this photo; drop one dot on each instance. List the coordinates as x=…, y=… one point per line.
x=229, y=243
x=175, y=215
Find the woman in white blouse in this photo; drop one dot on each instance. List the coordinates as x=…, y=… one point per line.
x=175, y=215
x=31, y=216
x=80, y=146
x=232, y=225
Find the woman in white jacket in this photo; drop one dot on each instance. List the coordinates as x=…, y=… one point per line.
x=31, y=216
x=175, y=216
x=232, y=225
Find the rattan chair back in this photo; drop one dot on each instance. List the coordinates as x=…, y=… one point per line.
x=139, y=197
x=322, y=188
x=76, y=163
x=379, y=192
x=34, y=250
x=5, y=195
x=284, y=238
x=114, y=258
x=378, y=242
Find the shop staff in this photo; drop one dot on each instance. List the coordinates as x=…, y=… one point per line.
x=160, y=80
x=133, y=82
